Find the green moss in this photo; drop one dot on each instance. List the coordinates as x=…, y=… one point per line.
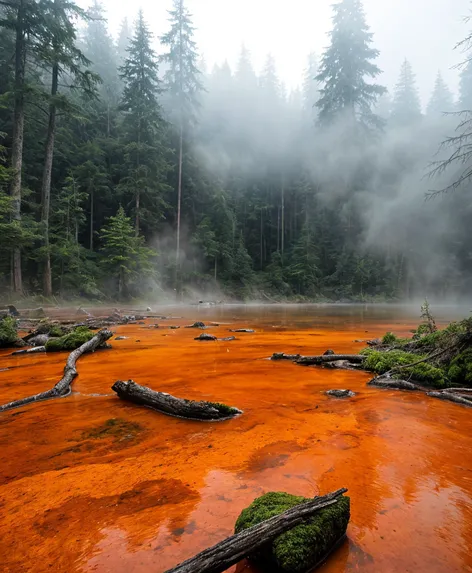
x=223, y=408
x=382, y=362
x=460, y=369
x=116, y=428
x=70, y=341
x=301, y=548
x=8, y=331
x=389, y=339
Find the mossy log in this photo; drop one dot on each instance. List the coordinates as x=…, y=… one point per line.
x=62, y=388
x=283, y=356
x=167, y=404
x=327, y=358
x=250, y=541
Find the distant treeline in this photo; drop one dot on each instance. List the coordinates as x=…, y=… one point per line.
x=129, y=172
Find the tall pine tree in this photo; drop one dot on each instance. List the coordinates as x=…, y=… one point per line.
x=145, y=148
x=406, y=108
x=183, y=84
x=345, y=68
x=442, y=100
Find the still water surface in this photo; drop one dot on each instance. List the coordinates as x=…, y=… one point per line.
x=146, y=491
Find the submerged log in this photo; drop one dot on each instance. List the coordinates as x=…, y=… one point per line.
x=451, y=397
x=230, y=551
x=325, y=359
x=167, y=404
x=34, y=350
x=282, y=356
x=62, y=388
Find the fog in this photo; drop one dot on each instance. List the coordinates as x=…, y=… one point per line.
x=423, y=31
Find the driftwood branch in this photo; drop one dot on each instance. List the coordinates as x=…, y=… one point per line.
x=171, y=405
x=386, y=381
x=451, y=397
x=230, y=551
x=62, y=388
x=327, y=358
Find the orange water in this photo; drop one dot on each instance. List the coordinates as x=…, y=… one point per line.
x=76, y=499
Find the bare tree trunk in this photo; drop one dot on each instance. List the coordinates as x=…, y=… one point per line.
x=46, y=187
x=92, y=194
x=138, y=206
x=18, y=131
x=179, y=193
x=282, y=230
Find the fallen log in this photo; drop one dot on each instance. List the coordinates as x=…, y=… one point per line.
x=62, y=388
x=34, y=350
x=167, y=404
x=445, y=395
x=393, y=384
x=326, y=358
x=282, y=356
x=220, y=557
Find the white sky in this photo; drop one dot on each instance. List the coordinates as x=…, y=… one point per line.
x=424, y=31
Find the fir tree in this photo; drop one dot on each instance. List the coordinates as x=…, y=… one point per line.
x=124, y=253
x=406, y=109
x=465, y=87
x=145, y=150
x=345, y=67
x=311, y=87
x=442, y=100
x=183, y=84
x=124, y=38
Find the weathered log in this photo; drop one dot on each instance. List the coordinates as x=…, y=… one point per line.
x=325, y=359
x=35, y=350
x=282, y=356
x=206, y=337
x=445, y=395
x=220, y=557
x=247, y=330
x=393, y=384
x=62, y=388
x=171, y=405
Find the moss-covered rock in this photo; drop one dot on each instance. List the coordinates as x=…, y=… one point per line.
x=70, y=341
x=8, y=331
x=382, y=362
x=303, y=547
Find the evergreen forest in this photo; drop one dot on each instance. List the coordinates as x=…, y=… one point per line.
x=130, y=170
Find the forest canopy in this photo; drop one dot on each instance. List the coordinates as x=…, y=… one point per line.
x=130, y=170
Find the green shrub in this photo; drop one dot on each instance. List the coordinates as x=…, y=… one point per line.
x=8, y=331
x=301, y=548
x=460, y=369
x=389, y=339
x=70, y=341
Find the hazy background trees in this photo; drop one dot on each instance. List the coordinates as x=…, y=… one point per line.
x=131, y=170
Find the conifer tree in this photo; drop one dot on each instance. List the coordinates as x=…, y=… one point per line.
x=144, y=128
x=465, y=87
x=345, y=68
x=124, y=38
x=406, y=109
x=442, y=100
x=311, y=86
x=183, y=84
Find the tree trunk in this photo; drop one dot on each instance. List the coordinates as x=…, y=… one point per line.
x=171, y=405
x=46, y=187
x=282, y=230
x=138, y=207
x=235, y=548
x=18, y=132
x=179, y=200
x=91, y=216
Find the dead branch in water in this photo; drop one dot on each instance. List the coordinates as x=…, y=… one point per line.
x=230, y=551
x=167, y=404
x=451, y=397
x=62, y=388
x=327, y=358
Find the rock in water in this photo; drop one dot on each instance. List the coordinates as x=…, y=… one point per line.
x=340, y=393
x=305, y=546
x=206, y=337
x=329, y=353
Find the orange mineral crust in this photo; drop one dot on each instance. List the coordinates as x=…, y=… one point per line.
x=92, y=483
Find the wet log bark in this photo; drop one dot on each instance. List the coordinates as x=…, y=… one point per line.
x=230, y=551
x=451, y=397
x=325, y=359
x=391, y=383
x=282, y=356
x=167, y=404
x=35, y=350
x=62, y=388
